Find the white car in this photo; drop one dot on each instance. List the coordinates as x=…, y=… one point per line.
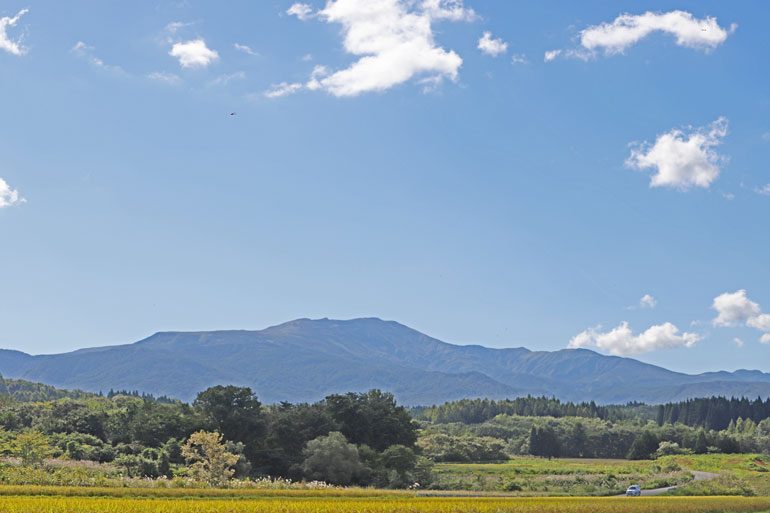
x=634, y=491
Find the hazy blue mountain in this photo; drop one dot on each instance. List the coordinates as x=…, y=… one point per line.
x=304, y=360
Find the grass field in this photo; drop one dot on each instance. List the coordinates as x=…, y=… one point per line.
x=738, y=475
x=384, y=504
x=521, y=485
x=538, y=476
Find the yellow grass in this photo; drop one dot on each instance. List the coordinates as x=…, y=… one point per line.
x=42, y=504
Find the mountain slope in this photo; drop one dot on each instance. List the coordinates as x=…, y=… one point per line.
x=304, y=360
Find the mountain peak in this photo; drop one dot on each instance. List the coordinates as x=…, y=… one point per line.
x=306, y=359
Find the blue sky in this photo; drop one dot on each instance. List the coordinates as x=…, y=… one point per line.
x=479, y=195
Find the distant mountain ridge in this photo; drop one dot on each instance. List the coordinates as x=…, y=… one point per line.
x=304, y=360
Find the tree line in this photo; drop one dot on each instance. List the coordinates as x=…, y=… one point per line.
x=709, y=413
x=581, y=437
x=353, y=438
x=713, y=412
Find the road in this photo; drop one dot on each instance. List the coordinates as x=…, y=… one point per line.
x=697, y=475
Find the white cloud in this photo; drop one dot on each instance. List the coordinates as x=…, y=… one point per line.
x=622, y=341
x=764, y=190
x=734, y=309
x=245, y=49
x=551, y=55
x=452, y=10
x=491, y=46
x=760, y=322
x=165, y=78
x=628, y=29
x=519, y=58
x=12, y=46
x=648, y=301
x=86, y=52
x=682, y=159
x=8, y=196
x=766, y=136
x=738, y=342
x=283, y=89
x=300, y=10
x=394, y=42
x=193, y=53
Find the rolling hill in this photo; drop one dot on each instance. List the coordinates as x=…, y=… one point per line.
x=304, y=360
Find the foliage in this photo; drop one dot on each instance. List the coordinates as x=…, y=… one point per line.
x=441, y=447
x=332, y=459
x=714, y=412
x=209, y=459
x=235, y=412
x=372, y=419
x=31, y=447
x=28, y=391
x=142, y=436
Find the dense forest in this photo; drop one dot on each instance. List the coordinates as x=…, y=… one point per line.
x=487, y=430
x=710, y=413
x=474, y=411
x=364, y=439
x=353, y=438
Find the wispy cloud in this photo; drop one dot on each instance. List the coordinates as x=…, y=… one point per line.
x=300, y=10
x=629, y=29
x=682, y=158
x=165, y=77
x=551, y=55
x=764, y=190
x=223, y=80
x=12, y=46
x=245, y=49
x=519, y=58
x=87, y=53
x=283, y=89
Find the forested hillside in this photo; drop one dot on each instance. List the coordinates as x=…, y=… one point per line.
x=486, y=430
x=28, y=391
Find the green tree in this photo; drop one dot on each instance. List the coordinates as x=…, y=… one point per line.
x=578, y=439
x=373, y=419
x=643, y=447
x=32, y=447
x=701, y=443
x=400, y=462
x=236, y=413
x=332, y=459
x=209, y=459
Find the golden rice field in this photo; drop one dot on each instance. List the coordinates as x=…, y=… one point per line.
x=382, y=504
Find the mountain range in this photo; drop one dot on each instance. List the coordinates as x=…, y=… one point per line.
x=305, y=359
